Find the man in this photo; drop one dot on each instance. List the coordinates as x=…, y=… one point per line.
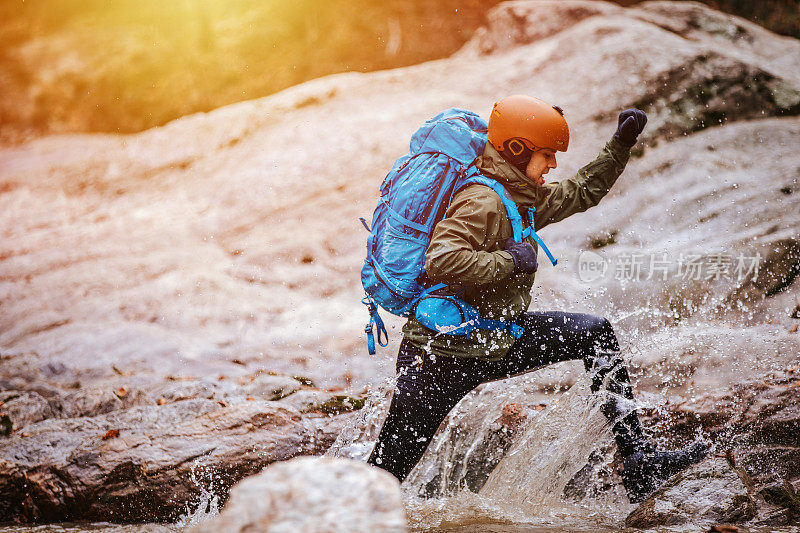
x=472, y=250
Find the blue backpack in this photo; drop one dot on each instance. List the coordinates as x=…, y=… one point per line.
x=414, y=196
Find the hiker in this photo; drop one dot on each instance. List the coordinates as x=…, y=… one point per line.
x=474, y=253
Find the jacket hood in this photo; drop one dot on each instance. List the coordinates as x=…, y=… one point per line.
x=493, y=165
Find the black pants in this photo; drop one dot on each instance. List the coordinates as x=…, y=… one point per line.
x=428, y=388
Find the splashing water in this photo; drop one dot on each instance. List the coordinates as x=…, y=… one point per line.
x=534, y=473
x=451, y=486
x=358, y=438
x=504, y=455
x=206, y=505
x=475, y=435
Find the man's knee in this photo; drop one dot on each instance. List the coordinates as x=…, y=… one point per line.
x=602, y=345
x=601, y=333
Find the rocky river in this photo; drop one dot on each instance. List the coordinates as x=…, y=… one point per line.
x=179, y=308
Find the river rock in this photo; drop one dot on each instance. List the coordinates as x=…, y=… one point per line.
x=271, y=386
x=758, y=419
x=310, y=400
x=312, y=494
x=18, y=408
x=710, y=491
x=147, y=463
x=99, y=399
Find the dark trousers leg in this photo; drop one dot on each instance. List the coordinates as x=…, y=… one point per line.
x=554, y=336
x=427, y=389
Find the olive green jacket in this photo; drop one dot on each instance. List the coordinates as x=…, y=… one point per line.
x=466, y=249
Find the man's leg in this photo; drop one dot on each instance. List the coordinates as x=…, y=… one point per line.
x=554, y=336
x=427, y=389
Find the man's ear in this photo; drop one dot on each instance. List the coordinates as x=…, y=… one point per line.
x=515, y=152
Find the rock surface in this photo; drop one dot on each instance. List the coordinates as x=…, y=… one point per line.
x=19, y=408
x=147, y=463
x=150, y=282
x=758, y=423
x=219, y=271
x=758, y=420
x=708, y=492
x=312, y=494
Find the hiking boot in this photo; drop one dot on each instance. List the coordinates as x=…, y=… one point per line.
x=648, y=468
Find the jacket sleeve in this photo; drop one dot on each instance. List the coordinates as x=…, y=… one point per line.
x=458, y=249
x=585, y=189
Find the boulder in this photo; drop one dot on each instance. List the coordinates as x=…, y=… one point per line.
x=759, y=420
x=145, y=463
x=512, y=24
x=312, y=494
x=19, y=408
x=710, y=491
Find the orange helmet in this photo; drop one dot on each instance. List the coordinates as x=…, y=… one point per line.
x=522, y=124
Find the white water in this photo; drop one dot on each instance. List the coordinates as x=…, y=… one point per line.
x=527, y=485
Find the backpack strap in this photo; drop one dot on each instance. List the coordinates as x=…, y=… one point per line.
x=513, y=213
x=531, y=230
x=374, y=319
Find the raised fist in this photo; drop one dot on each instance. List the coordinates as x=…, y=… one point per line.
x=630, y=125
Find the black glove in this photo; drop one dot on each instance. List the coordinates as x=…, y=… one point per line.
x=630, y=125
x=524, y=255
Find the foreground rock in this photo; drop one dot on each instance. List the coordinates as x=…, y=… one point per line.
x=148, y=463
x=758, y=423
x=710, y=491
x=271, y=235
x=313, y=495
x=759, y=420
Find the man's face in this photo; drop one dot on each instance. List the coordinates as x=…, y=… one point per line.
x=540, y=164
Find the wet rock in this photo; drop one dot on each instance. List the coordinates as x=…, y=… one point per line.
x=313, y=494
x=97, y=400
x=782, y=494
x=20, y=408
x=309, y=400
x=714, y=83
x=759, y=420
x=718, y=88
x=597, y=476
x=518, y=23
x=710, y=491
x=767, y=463
x=146, y=463
x=271, y=386
x=196, y=388
x=779, y=267
x=694, y=21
